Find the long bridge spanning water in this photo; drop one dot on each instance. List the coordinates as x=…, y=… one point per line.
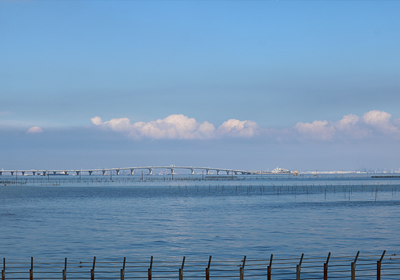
x=116, y=171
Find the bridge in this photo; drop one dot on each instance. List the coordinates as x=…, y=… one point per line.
x=116, y=171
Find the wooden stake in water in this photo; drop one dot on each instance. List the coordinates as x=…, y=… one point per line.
x=269, y=268
x=326, y=267
x=208, y=269
x=378, y=266
x=64, y=272
x=123, y=269
x=353, y=267
x=298, y=267
x=181, y=269
x=242, y=269
x=31, y=270
x=3, y=271
x=92, y=270
x=149, y=273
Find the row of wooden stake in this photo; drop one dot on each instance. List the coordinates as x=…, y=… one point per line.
x=207, y=271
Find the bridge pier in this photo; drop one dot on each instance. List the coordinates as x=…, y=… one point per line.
x=104, y=172
x=227, y=172
x=192, y=170
x=117, y=171
x=78, y=173
x=236, y=172
x=150, y=171
x=90, y=173
x=132, y=171
x=23, y=173
x=12, y=173
x=208, y=171
x=33, y=173
x=45, y=173
x=54, y=173
x=172, y=171
x=1, y=173
x=218, y=172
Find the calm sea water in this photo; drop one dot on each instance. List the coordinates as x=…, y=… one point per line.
x=84, y=217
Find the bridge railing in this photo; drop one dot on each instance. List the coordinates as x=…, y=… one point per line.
x=358, y=266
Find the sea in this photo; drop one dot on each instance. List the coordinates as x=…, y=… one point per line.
x=197, y=216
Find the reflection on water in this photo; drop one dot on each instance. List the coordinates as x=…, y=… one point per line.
x=248, y=216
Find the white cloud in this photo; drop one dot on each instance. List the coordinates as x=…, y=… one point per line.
x=376, y=117
x=319, y=130
x=173, y=127
x=35, y=129
x=371, y=124
x=351, y=125
x=96, y=120
x=347, y=122
x=380, y=120
x=238, y=128
x=178, y=126
x=122, y=124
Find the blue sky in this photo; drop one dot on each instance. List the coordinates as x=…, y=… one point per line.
x=241, y=84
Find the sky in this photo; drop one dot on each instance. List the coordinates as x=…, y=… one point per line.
x=306, y=85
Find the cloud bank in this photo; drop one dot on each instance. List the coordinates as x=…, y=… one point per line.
x=178, y=126
x=372, y=124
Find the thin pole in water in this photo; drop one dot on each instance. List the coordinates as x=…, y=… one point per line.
x=31, y=270
x=149, y=271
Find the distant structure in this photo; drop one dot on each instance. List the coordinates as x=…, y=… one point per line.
x=280, y=170
x=116, y=171
x=106, y=171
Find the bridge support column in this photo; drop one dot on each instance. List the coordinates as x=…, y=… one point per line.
x=23, y=173
x=218, y=172
x=227, y=172
x=132, y=171
x=12, y=173
x=1, y=173
x=33, y=173
x=104, y=172
x=236, y=172
x=172, y=171
x=45, y=173
x=150, y=171
x=78, y=173
x=192, y=170
x=208, y=171
x=117, y=171
x=90, y=173
x=54, y=173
